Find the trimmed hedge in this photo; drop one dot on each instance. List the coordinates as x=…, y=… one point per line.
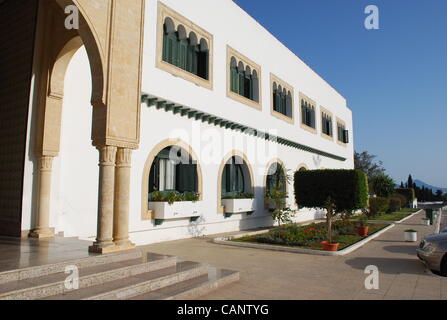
x=395, y=204
x=378, y=205
x=348, y=189
x=408, y=193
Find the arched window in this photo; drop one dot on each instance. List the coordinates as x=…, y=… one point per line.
x=235, y=178
x=185, y=51
x=308, y=114
x=173, y=170
x=244, y=80
x=276, y=178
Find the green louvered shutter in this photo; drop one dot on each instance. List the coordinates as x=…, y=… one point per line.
x=165, y=47
x=241, y=83
x=183, y=54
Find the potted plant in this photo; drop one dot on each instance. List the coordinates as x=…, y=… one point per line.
x=425, y=222
x=411, y=235
x=239, y=203
x=174, y=205
x=363, y=228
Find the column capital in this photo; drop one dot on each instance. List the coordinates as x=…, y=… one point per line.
x=107, y=155
x=123, y=157
x=45, y=163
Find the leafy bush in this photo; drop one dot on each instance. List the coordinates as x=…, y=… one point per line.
x=348, y=189
x=382, y=185
x=377, y=206
x=335, y=190
x=395, y=204
x=294, y=235
x=173, y=196
x=408, y=193
x=239, y=196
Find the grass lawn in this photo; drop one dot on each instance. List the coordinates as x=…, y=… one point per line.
x=310, y=236
x=395, y=216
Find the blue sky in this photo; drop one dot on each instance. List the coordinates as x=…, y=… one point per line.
x=395, y=78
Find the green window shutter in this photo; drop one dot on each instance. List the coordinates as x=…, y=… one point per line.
x=277, y=101
x=241, y=83
x=303, y=113
x=165, y=47
x=312, y=117
x=183, y=54
x=239, y=187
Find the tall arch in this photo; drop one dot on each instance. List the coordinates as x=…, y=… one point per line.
x=116, y=99
x=146, y=214
x=228, y=156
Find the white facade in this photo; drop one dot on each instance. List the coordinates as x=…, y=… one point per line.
x=74, y=195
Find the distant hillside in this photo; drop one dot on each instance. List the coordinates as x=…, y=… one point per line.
x=421, y=184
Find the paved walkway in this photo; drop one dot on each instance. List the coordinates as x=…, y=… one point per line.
x=280, y=275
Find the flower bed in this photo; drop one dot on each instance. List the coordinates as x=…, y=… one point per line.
x=311, y=236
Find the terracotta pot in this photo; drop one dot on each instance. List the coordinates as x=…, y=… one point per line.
x=330, y=246
x=362, y=230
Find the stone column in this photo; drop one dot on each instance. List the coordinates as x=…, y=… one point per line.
x=104, y=243
x=121, y=204
x=42, y=229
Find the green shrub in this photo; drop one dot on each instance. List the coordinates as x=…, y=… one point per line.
x=336, y=191
x=348, y=189
x=382, y=185
x=378, y=205
x=408, y=193
x=239, y=196
x=395, y=204
x=172, y=196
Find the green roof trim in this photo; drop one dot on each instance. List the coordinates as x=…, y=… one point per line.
x=212, y=119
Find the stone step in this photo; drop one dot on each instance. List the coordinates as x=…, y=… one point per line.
x=94, y=260
x=193, y=288
x=138, y=284
x=54, y=284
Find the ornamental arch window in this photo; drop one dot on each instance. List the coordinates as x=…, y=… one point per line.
x=184, y=50
x=281, y=99
x=243, y=79
x=276, y=178
x=173, y=169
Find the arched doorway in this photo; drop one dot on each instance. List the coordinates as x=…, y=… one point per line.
x=115, y=98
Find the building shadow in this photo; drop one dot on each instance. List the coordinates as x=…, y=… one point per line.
x=392, y=266
x=411, y=250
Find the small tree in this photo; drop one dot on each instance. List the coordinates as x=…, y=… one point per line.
x=382, y=185
x=277, y=195
x=408, y=193
x=336, y=191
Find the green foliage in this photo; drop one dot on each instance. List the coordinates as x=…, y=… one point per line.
x=173, y=196
x=239, y=195
x=335, y=190
x=408, y=193
x=347, y=189
x=382, y=185
x=280, y=212
x=363, y=221
x=395, y=204
x=377, y=205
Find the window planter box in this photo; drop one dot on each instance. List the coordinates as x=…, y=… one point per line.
x=239, y=205
x=178, y=210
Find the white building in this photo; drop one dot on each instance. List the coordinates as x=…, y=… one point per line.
x=208, y=86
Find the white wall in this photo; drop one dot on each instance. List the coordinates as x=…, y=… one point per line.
x=75, y=179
